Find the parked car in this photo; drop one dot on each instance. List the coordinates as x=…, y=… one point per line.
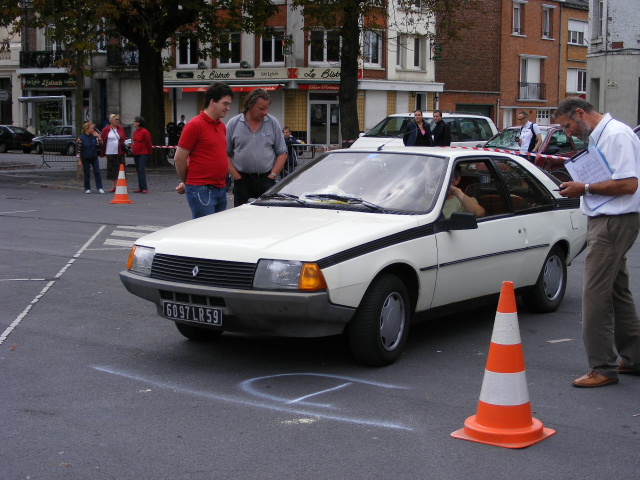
x=15, y=138
x=554, y=142
x=466, y=130
x=61, y=139
x=355, y=242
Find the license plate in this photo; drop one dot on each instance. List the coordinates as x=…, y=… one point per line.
x=177, y=311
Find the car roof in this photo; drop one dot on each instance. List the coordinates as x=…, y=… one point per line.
x=444, y=114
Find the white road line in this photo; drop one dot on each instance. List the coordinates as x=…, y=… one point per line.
x=24, y=313
x=16, y=211
x=148, y=228
x=119, y=243
x=122, y=233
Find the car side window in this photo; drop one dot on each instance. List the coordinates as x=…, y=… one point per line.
x=525, y=192
x=562, y=141
x=480, y=182
x=455, y=132
x=484, y=129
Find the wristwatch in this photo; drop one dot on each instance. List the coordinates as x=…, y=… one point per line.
x=586, y=189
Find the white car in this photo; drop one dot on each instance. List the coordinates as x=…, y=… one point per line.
x=355, y=242
x=467, y=130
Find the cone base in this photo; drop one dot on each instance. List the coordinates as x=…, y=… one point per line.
x=503, y=437
x=120, y=201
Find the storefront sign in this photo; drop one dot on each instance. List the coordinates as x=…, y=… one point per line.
x=48, y=80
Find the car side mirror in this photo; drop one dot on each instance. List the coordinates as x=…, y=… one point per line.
x=458, y=221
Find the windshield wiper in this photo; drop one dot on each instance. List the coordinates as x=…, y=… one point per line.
x=282, y=196
x=347, y=199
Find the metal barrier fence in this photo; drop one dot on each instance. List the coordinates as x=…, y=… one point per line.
x=304, y=153
x=48, y=158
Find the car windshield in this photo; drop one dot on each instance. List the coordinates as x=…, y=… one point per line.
x=507, y=139
x=389, y=127
x=372, y=181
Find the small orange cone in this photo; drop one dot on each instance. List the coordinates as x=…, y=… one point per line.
x=121, y=195
x=504, y=416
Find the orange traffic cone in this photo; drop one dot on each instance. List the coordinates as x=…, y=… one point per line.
x=121, y=195
x=504, y=412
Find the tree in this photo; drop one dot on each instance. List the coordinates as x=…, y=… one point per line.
x=352, y=17
x=153, y=26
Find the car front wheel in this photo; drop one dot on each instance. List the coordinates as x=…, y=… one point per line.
x=379, y=329
x=548, y=292
x=39, y=150
x=3, y=147
x=71, y=149
x=197, y=334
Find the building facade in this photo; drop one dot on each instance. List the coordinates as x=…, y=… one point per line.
x=614, y=59
x=522, y=55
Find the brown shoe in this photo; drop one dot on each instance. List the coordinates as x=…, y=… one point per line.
x=623, y=369
x=593, y=379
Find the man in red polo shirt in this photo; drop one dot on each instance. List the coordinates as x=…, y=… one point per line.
x=201, y=157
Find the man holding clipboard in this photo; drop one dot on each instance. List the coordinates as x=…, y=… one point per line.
x=606, y=177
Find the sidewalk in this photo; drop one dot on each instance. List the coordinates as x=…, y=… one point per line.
x=28, y=168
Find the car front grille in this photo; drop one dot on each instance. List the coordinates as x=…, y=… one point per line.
x=198, y=271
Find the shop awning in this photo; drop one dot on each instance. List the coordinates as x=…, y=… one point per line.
x=235, y=88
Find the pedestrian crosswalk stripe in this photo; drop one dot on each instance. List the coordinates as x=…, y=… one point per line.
x=129, y=232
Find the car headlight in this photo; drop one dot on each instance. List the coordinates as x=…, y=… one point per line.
x=140, y=260
x=288, y=274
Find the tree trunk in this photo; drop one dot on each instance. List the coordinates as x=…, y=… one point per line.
x=348, y=96
x=152, y=100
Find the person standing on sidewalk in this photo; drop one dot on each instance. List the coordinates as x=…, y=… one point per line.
x=113, y=137
x=611, y=328
x=142, y=148
x=201, y=156
x=88, y=144
x=441, y=131
x=256, y=148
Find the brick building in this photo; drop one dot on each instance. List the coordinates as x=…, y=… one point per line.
x=521, y=55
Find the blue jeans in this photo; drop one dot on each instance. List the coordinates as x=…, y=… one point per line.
x=87, y=165
x=206, y=199
x=141, y=164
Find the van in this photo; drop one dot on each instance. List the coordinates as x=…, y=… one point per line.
x=467, y=130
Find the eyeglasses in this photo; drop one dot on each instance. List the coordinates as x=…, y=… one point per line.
x=521, y=118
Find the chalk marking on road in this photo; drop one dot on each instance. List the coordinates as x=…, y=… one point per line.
x=127, y=231
x=263, y=405
x=123, y=233
x=22, y=279
x=298, y=400
x=17, y=211
x=24, y=313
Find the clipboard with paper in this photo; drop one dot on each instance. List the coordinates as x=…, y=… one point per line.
x=590, y=166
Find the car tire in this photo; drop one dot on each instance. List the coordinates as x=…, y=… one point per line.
x=39, y=150
x=3, y=147
x=70, y=150
x=197, y=334
x=172, y=152
x=548, y=292
x=379, y=329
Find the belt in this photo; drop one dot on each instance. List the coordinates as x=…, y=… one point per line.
x=254, y=175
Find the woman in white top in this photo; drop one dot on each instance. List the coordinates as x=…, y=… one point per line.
x=113, y=137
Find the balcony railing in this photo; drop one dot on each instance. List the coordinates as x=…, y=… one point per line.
x=532, y=91
x=41, y=59
x=123, y=58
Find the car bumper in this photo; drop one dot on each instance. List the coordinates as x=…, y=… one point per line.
x=288, y=314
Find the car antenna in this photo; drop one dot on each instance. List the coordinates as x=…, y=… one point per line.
x=391, y=140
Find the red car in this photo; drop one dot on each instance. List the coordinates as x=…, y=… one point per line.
x=554, y=142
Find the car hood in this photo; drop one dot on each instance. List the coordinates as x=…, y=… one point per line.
x=249, y=233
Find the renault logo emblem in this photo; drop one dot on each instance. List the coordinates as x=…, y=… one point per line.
x=195, y=271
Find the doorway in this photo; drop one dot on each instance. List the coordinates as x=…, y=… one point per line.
x=324, y=122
